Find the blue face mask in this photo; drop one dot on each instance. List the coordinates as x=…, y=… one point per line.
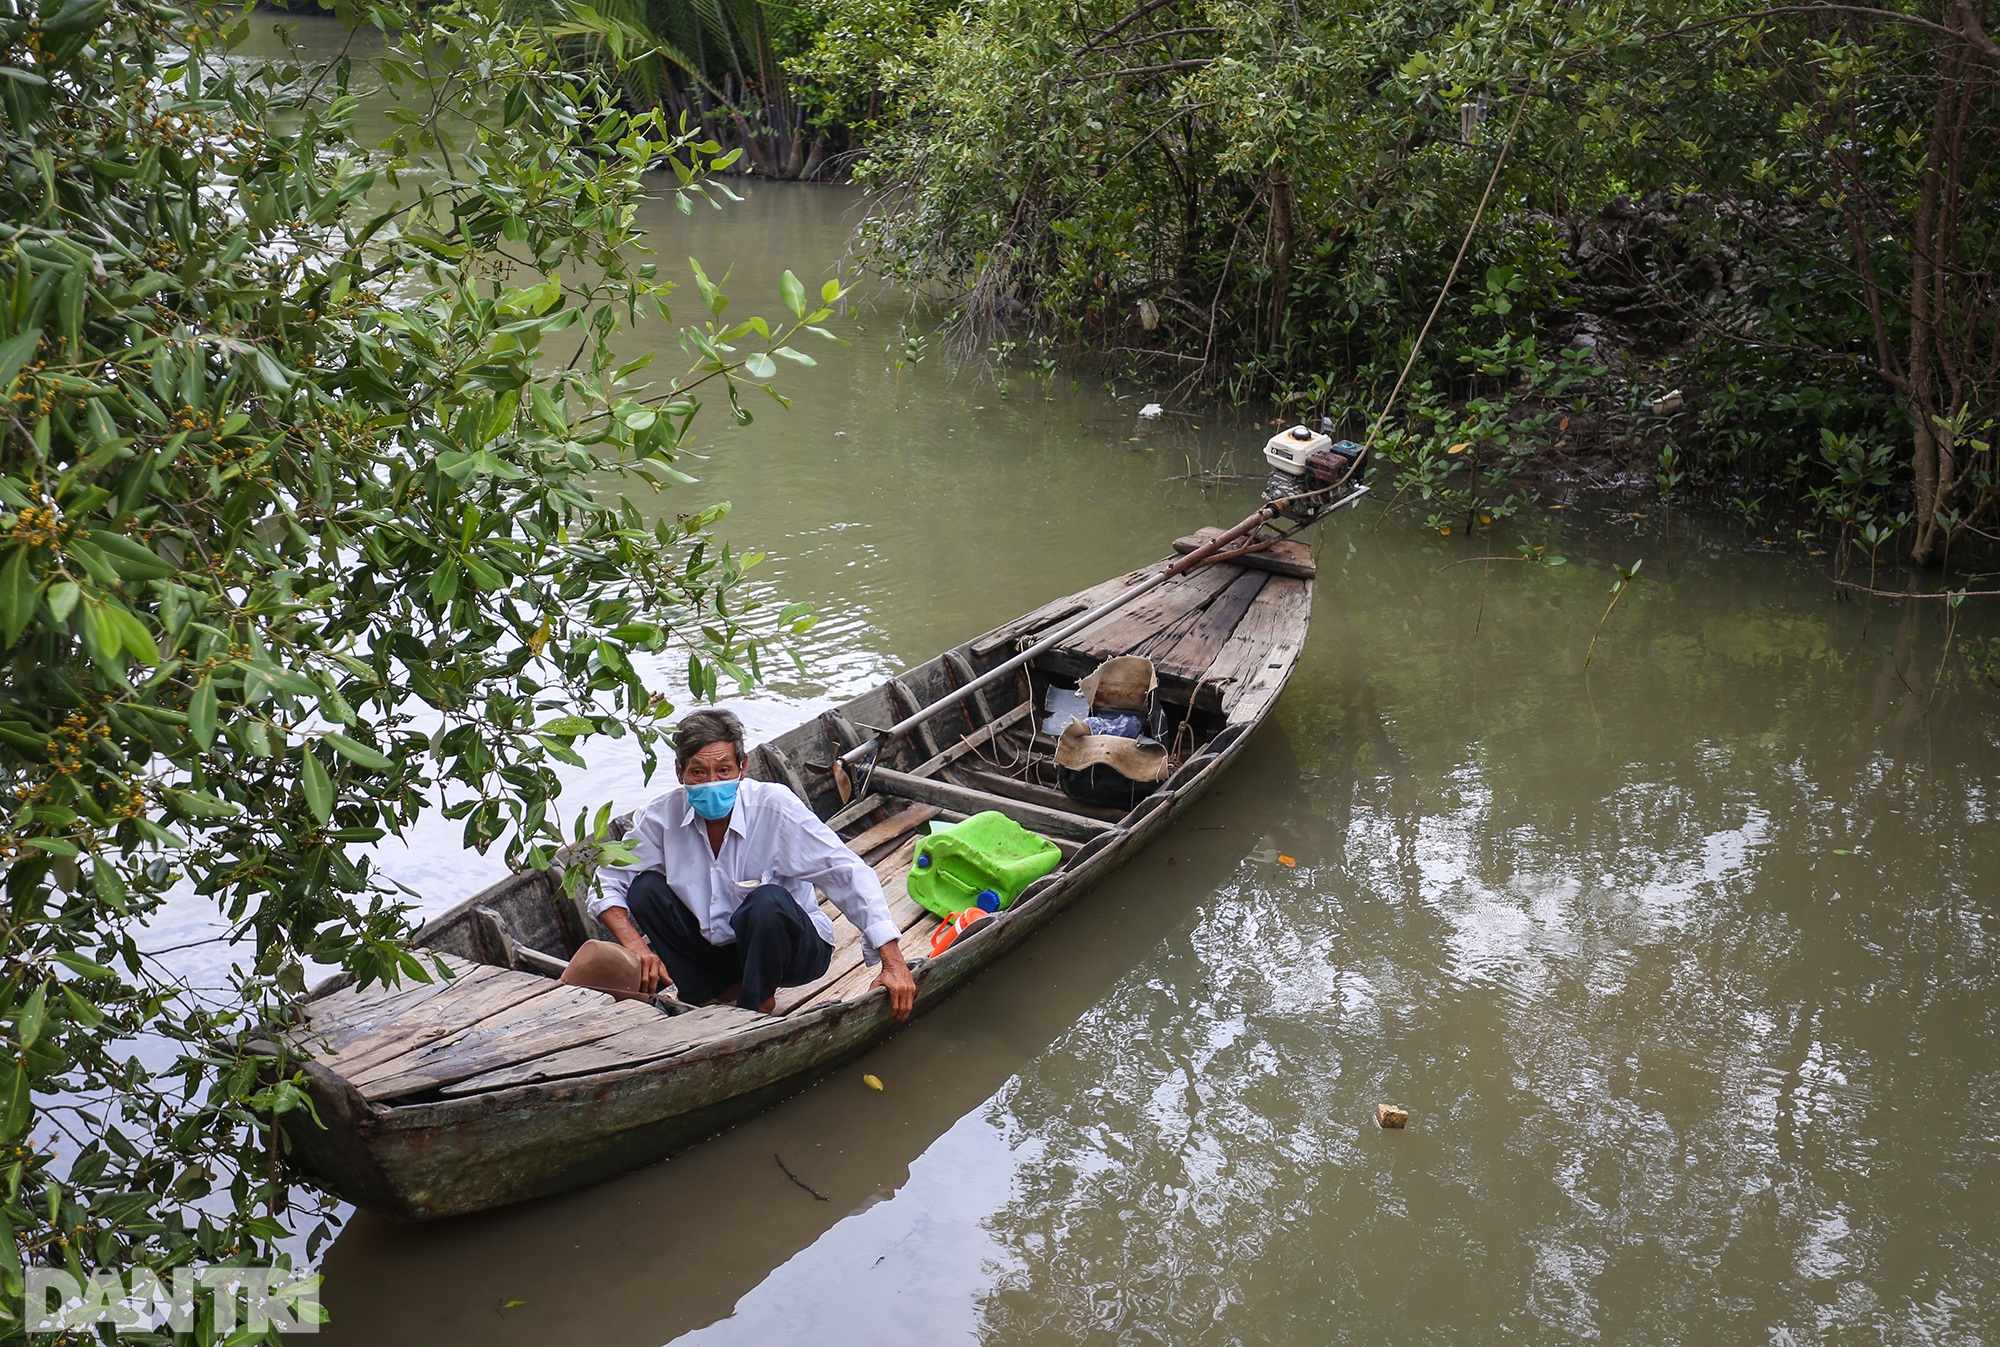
x=713, y=799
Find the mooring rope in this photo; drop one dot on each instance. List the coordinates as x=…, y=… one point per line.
x=1464, y=245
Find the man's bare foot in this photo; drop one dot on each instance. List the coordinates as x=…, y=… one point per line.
x=770, y=1005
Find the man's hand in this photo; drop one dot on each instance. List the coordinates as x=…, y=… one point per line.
x=652, y=973
x=895, y=975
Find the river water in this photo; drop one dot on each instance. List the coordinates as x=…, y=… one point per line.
x=1683, y=963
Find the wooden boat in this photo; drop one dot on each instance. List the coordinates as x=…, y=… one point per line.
x=502, y=1084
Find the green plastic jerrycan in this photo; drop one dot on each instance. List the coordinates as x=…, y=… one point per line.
x=989, y=851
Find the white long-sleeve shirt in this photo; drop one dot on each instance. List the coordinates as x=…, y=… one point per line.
x=773, y=839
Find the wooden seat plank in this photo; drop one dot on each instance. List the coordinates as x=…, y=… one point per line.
x=1252, y=663
x=565, y=1017
x=1118, y=632
x=1034, y=817
x=854, y=812
x=1189, y=654
x=484, y=992
x=1289, y=557
x=632, y=1046
x=891, y=828
x=1033, y=793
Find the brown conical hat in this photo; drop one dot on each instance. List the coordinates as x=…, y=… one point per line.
x=605, y=966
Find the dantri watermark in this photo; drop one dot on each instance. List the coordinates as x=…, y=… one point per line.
x=225, y=1298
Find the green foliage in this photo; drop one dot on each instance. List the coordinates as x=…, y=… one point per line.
x=1460, y=460
x=306, y=527
x=695, y=45
x=1262, y=186
x=726, y=65
x=1267, y=195
x=858, y=58
x=1833, y=169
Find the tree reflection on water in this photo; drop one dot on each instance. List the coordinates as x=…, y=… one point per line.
x=1690, y=998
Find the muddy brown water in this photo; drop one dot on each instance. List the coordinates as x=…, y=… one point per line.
x=1684, y=964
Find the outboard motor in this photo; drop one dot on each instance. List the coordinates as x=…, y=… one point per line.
x=1305, y=460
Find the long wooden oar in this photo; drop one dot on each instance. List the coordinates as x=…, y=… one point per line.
x=1201, y=555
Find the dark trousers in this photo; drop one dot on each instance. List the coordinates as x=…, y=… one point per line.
x=776, y=943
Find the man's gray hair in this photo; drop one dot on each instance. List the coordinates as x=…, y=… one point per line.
x=699, y=729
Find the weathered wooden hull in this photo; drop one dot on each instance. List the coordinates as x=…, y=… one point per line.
x=439, y=1157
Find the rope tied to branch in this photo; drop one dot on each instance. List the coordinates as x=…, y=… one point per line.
x=1464, y=246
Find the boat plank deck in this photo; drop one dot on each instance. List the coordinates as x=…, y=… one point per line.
x=559, y=1017
x=472, y=993
x=1190, y=654
x=632, y=1045
x=916, y=944
x=1122, y=631
x=443, y=1018
x=1253, y=662
x=903, y=910
x=338, y=1019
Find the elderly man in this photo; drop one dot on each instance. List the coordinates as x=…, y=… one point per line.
x=720, y=901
